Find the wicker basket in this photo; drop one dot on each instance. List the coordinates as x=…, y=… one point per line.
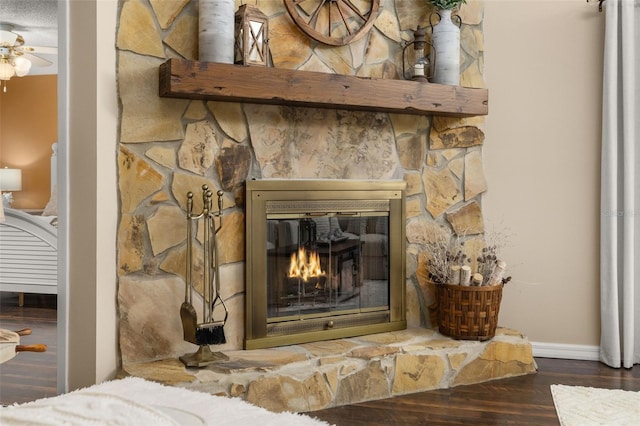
x=468, y=313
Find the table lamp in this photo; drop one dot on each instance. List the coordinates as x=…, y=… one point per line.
x=10, y=180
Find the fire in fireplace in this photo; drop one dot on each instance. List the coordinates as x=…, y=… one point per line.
x=305, y=267
x=325, y=260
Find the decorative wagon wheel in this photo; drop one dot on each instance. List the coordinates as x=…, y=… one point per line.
x=334, y=22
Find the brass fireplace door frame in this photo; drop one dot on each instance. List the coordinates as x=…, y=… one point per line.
x=264, y=196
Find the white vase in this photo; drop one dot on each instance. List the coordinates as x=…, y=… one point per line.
x=216, y=30
x=445, y=39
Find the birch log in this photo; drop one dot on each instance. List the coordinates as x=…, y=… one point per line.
x=455, y=275
x=465, y=275
x=216, y=30
x=498, y=273
x=476, y=280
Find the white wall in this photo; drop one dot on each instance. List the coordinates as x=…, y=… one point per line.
x=106, y=187
x=89, y=112
x=543, y=67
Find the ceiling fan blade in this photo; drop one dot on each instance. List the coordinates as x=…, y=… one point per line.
x=7, y=38
x=36, y=60
x=43, y=50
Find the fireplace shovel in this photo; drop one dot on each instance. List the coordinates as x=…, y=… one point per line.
x=188, y=313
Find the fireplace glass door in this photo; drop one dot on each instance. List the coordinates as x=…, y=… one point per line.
x=325, y=260
x=326, y=263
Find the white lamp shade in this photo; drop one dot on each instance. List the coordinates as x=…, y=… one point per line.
x=6, y=70
x=22, y=66
x=10, y=179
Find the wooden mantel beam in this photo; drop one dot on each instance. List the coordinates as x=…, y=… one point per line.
x=237, y=83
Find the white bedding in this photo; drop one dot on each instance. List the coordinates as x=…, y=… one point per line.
x=135, y=401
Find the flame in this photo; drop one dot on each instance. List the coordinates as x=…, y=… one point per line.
x=305, y=265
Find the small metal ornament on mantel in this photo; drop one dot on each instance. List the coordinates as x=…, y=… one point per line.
x=210, y=330
x=420, y=65
x=334, y=22
x=251, y=36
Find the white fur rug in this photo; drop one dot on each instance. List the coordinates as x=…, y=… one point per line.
x=585, y=406
x=134, y=401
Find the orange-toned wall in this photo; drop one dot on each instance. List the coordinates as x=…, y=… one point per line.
x=28, y=127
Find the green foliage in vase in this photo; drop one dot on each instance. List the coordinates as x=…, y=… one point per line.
x=446, y=4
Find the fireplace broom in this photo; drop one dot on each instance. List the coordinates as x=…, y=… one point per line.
x=212, y=332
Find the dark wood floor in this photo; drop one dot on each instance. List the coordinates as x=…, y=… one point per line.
x=524, y=400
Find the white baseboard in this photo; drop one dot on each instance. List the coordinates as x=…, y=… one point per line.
x=565, y=351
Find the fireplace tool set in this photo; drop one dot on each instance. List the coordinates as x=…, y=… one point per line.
x=214, y=311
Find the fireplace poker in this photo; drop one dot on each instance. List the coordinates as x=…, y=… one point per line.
x=217, y=302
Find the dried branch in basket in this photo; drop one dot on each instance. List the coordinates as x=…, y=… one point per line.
x=447, y=263
x=488, y=260
x=444, y=255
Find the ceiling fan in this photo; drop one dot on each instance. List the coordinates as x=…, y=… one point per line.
x=16, y=58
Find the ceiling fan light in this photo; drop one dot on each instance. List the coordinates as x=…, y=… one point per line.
x=6, y=70
x=22, y=66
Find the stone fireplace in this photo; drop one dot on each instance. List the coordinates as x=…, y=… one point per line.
x=169, y=147
x=325, y=260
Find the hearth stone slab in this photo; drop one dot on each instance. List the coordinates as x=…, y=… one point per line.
x=319, y=375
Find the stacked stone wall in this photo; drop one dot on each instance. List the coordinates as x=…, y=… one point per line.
x=168, y=147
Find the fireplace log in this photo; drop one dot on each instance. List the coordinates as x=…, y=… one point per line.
x=498, y=273
x=455, y=275
x=465, y=275
x=477, y=280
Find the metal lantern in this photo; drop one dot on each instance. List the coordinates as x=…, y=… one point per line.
x=420, y=65
x=252, y=36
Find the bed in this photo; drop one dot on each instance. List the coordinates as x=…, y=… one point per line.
x=28, y=253
x=29, y=247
